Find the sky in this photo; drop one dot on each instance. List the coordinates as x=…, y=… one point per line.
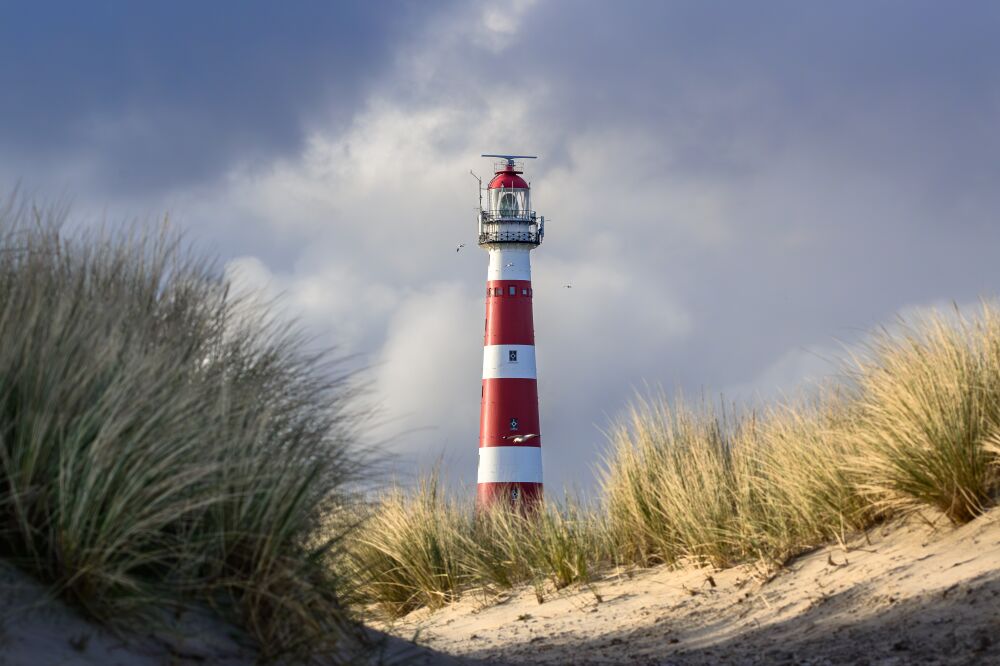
x=737, y=192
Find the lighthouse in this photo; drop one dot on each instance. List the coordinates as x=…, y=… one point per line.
x=510, y=453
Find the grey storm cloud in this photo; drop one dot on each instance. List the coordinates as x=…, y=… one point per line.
x=852, y=146
x=804, y=172
x=156, y=95
x=734, y=189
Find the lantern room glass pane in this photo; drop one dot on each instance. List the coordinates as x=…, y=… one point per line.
x=507, y=203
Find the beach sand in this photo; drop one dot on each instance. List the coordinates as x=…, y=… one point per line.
x=903, y=593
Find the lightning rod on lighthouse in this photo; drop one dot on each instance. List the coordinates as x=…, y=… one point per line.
x=510, y=453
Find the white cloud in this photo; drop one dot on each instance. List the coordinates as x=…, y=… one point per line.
x=379, y=210
x=501, y=22
x=803, y=369
x=338, y=307
x=795, y=371
x=427, y=372
x=707, y=247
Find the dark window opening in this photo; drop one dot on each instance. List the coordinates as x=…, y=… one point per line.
x=513, y=290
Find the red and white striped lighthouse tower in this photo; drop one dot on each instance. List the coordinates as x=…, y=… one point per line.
x=510, y=454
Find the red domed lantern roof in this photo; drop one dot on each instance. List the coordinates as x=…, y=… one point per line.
x=508, y=178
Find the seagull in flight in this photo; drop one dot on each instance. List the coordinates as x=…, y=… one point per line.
x=460, y=246
x=567, y=286
x=520, y=439
x=508, y=265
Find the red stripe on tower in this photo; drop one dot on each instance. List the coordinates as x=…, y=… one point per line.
x=510, y=454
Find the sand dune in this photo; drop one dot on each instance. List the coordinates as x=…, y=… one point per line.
x=38, y=630
x=904, y=593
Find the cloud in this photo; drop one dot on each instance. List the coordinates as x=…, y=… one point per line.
x=733, y=195
x=803, y=370
x=423, y=381
x=424, y=342
x=716, y=240
x=324, y=303
x=155, y=97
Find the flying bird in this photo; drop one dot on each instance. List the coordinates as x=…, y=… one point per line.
x=567, y=286
x=520, y=439
x=460, y=246
x=508, y=265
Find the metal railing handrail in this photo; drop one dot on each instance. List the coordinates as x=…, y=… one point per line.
x=500, y=166
x=520, y=215
x=531, y=237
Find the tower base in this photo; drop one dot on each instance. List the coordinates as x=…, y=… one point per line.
x=522, y=496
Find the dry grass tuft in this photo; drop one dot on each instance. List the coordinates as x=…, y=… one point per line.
x=161, y=444
x=420, y=548
x=915, y=428
x=411, y=549
x=928, y=407
x=669, y=483
x=914, y=425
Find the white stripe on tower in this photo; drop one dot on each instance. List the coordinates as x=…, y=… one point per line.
x=509, y=263
x=509, y=362
x=510, y=464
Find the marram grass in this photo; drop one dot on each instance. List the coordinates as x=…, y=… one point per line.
x=423, y=548
x=161, y=444
x=795, y=487
x=411, y=550
x=912, y=426
x=928, y=408
x=669, y=483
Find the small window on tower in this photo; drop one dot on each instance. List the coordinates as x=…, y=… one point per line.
x=496, y=291
x=512, y=356
x=513, y=290
x=524, y=292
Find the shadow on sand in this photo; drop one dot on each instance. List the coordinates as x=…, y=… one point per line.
x=958, y=625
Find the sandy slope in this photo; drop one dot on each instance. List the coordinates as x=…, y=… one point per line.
x=902, y=594
x=37, y=630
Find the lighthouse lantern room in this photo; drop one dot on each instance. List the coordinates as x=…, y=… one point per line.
x=510, y=454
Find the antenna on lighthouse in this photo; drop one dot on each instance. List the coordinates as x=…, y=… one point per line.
x=510, y=158
x=480, y=181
